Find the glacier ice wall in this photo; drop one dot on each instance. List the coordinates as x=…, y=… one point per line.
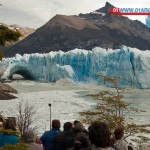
x=130, y=64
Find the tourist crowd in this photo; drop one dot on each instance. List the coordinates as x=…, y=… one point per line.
x=73, y=137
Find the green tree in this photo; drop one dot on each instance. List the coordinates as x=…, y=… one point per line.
x=19, y=146
x=8, y=35
x=112, y=109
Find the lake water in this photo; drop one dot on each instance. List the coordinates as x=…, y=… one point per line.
x=67, y=99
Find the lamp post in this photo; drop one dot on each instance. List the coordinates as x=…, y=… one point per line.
x=50, y=113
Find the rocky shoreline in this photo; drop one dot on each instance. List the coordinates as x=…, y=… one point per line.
x=6, y=92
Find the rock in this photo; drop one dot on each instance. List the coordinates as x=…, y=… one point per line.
x=5, y=91
x=6, y=96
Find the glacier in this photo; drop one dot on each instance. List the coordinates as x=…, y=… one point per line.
x=131, y=65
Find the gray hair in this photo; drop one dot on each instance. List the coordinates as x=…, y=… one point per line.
x=29, y=136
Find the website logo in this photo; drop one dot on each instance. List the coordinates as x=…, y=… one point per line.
x=129, y=11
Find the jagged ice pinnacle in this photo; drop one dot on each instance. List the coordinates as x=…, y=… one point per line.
x=130, y=64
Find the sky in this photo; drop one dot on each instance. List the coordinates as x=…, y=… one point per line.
x=35, y=13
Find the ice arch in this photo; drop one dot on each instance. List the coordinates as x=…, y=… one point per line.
x=22, y=71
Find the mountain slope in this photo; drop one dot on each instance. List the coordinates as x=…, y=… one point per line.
x=86, y=31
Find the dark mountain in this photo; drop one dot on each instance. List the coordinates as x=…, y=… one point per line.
x=86, y=31
x=105, y=8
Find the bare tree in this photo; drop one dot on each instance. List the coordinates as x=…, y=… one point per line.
x=25, y=116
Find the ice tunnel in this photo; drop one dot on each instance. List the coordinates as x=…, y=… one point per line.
x=23, y=71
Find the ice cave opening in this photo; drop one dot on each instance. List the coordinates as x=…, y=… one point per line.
x=20, y=73
x=17, y=77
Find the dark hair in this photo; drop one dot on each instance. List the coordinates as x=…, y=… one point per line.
x=99, y=134
x=10, y=123
x=81, y=141
x=130, y=147
x=119, y=132
x=75, y=122
x=78, y=127
x=67, y=126
x=1, y=118
x=56, y=124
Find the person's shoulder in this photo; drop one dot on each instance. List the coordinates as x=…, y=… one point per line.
x=1, y=134
x=111, y=148
x=59, y=133
x=87, y=148
x=36, y=146
x=45, y=134
x=55, y=131
x=12, y=136
x=50, y=131
x=123, y=142
x=98, y=148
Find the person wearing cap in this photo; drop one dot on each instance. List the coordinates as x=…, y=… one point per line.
x=29, y=138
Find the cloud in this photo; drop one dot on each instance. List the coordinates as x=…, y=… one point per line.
x=14, y=16
x=37, y=12
x=57, y=3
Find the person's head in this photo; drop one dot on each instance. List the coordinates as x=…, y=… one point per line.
x=130, y=147
x=74, y=122
x=99, y=134
x=119, y=132
x=1, y=125
x=1, y=122
x=29, y=136
x=10, y=123
x=81, y=141
x=2, y=119
x=67, y=126
x=78, y=127
x=55, y=124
